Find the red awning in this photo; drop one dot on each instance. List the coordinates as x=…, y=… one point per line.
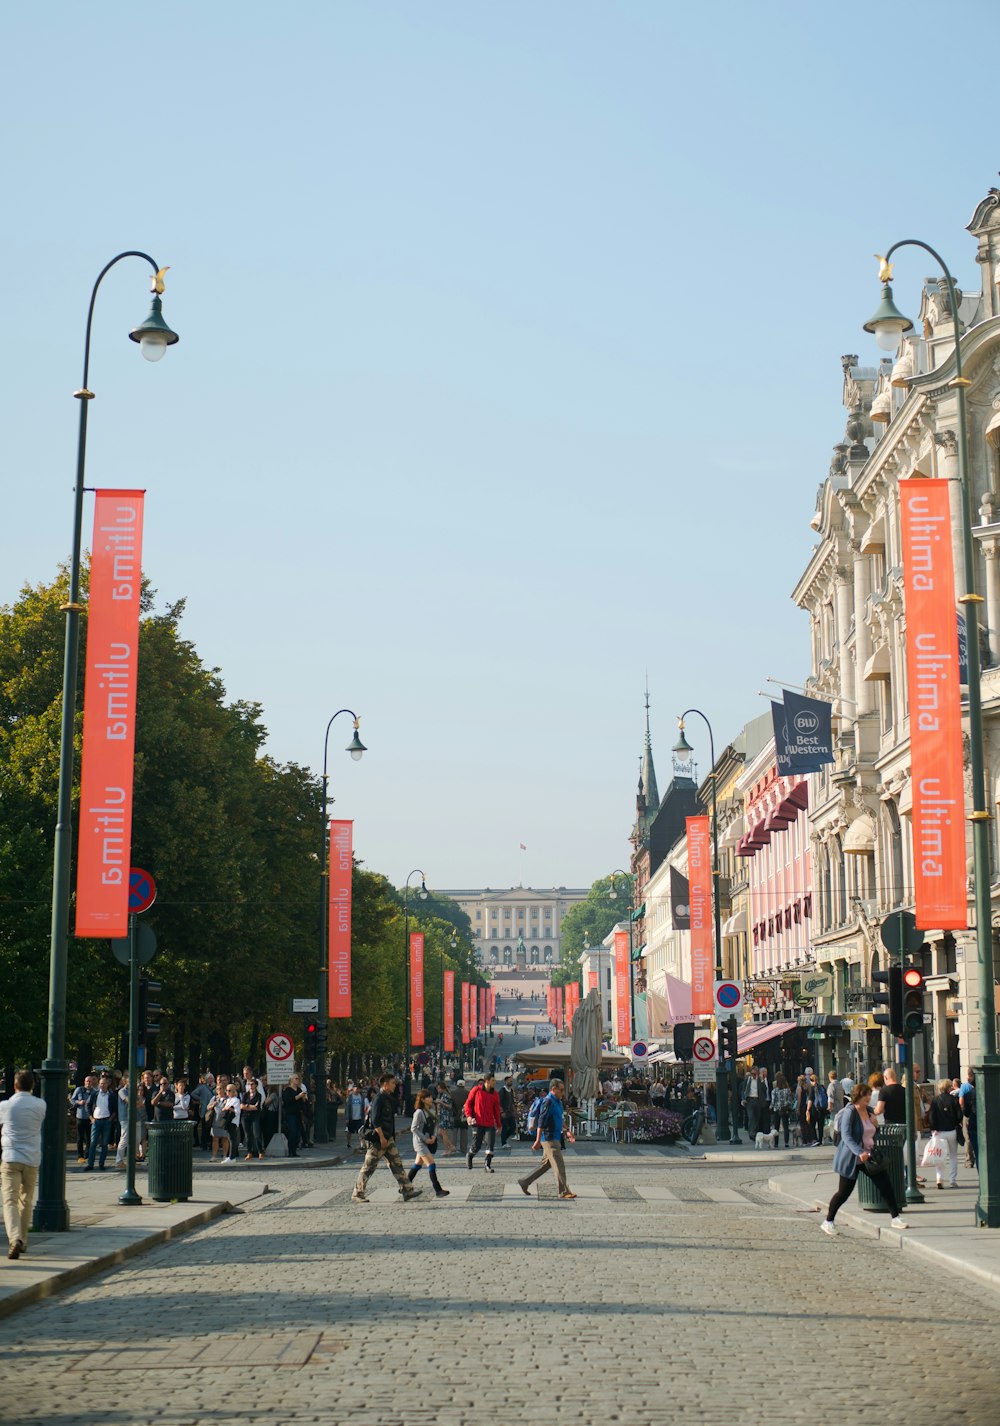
x=799, y=795
x=759, y=837
x=788, y=810
x=775, y=822
x=750, y=1036
x=743, y=848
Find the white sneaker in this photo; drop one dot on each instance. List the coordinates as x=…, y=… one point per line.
x=897, y=1223
x=830, y=1229
x=227, y=1161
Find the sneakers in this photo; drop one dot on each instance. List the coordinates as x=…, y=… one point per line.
x=468, y=1162
x=442, y=1192
x=524, y=1188
x=411, y=1193
x=227, y=1161
x=358, y=1198
x=939, y=1184
x=830, y=1229
x=16, y=1249
x=897, y=1222
x=489, y=1166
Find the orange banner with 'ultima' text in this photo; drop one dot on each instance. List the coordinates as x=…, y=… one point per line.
x=449, y=1011
x=700, y=898
x=623, y=973
x=932, y=669
x=466, y=1037
x=112, y=666
x=416, y=987
x=341, y=869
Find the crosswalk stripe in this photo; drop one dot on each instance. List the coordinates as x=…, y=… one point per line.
x=723, y=1195
x=318, y=1198
x=656, y=1194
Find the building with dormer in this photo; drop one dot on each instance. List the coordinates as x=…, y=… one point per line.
x=901, y=422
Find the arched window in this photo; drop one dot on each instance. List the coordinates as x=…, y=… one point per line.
x=506, y=955
x=548, y=955
x=894, y=892
x=535, y=955
x=494, y=958
x=841, y=880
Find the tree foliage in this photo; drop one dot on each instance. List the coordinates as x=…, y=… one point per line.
x=231, y=838
x=589, y=921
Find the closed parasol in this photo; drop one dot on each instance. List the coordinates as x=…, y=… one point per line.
x=585, y=1048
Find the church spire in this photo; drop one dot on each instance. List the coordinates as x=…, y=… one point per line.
x=648, y=772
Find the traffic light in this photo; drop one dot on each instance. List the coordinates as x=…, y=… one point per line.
x=913, y=1001
x=893, y=998
x=309, y=1042
x=728, y=1038
x=149, y=1006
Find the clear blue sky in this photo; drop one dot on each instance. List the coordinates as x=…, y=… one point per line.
x=509, y=362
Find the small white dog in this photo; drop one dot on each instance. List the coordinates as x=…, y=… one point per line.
x=763, y=1139
x=796, y=1136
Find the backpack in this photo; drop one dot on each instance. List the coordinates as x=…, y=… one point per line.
x=533, y=1112
x=836, y=1124
x=822, y=1102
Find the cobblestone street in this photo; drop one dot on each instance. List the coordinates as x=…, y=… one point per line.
x=668, y=1291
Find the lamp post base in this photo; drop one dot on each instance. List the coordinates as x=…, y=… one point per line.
x=51, y=1213
x=721, y=1103
x=988, y=1146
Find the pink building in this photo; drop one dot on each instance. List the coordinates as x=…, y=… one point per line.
x=776, y=853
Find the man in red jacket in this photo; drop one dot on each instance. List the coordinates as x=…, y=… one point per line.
x=482, y=1109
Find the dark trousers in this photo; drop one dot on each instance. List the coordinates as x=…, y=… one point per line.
x=292, y=1128
x=251, y=1133
x=100, y=1133
x=879, y=1178
x=82, y=1138
x=753, y=1107
x=781, y=1122
x=489, y=1134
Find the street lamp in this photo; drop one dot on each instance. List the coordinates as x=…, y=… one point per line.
x=51, y=1210
x=423, y=894
x=886, y=327
x=613, y=896
x=684, y=767
x=357, y=749
x=454, y=946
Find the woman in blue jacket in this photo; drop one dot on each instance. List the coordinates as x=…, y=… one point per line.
x=854, y=1156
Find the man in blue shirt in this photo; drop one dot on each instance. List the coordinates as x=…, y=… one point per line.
x=550, y=1138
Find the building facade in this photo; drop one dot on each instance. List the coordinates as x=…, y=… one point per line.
x=901, y=423
x=500, y=918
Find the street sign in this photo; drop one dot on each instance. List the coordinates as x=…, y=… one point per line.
x=305, y=1007
x=703, y=1049
x=279, y=1047
x=279, y=1071
x=860, y=1022
x=145, y=945
x=640, y=1050
x=141, y=891
x=897, y=925
x=728, y=998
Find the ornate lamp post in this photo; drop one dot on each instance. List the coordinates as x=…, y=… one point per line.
x=613, y=896
x=357, y=749
x=684, y=764
x=51, y=1210
x=888, y=325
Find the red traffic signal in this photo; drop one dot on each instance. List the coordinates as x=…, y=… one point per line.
x=913, y=1000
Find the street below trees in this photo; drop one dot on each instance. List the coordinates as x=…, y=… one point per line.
x=669, y=1290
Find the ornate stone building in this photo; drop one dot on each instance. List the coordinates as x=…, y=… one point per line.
x=900, y=422
x=500, y=918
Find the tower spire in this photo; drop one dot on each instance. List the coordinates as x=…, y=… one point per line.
x=648, y=771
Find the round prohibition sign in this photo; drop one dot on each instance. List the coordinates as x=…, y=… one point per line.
x=703, y=1048
x=279, y=1047
x=728, y=995
x=141, y=890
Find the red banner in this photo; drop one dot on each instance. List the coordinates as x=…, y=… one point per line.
x=573, y=997
x=473, y=1011
x=483, y=1018
x=465, y=1012
x=416, y=987
x=623, y=972
x=341, y=866
x=449, y=1011
x=112, y=665
x=932, y=672
x=700, y=897
x=592, y=981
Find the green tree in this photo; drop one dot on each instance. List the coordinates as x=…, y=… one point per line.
x=589, y=921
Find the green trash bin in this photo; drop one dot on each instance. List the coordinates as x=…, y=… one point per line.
x=890, y=1140
x=171, y=1160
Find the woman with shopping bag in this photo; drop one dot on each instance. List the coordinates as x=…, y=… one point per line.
x=856, y=1153
x=945, y=1118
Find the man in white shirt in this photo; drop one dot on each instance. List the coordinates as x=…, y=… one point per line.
x=21, y=1152
x=103, y=1108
